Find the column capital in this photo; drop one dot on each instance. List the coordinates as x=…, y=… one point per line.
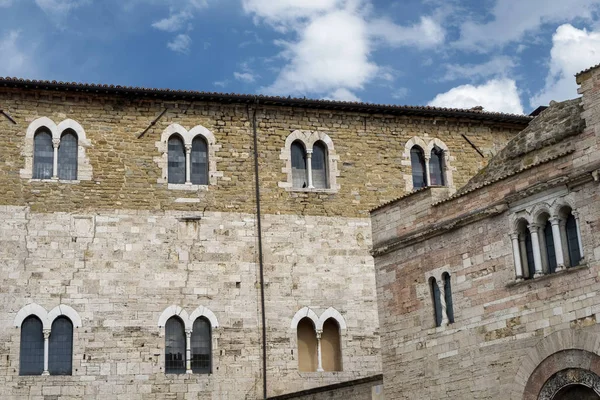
x=188, y=332
x=309, y=152
x=554, y=220
x=46, y=333
x=55, y=143
x=534, y=227
x=188, y=148
x=514, y=236
x=575, y=214
x=319, y=333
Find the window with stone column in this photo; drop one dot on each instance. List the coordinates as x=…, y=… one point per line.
x=428, y=163
x=441, y=299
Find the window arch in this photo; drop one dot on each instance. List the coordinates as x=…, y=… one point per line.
x=448, y=297
x=437, y=304
x=176, y=172
x=201, y=346
x=307, y=346
x=319, y=166
x=60, y=350
x=331, y=352
x=199, y=158
x=32, y=347
x=419, y=173
x=175, y=346
x=436, y=167
x=43, y=154
x=299, y=170
x=67, y=156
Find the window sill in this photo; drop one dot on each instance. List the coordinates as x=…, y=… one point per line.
x=314, y=190
x=187, y=187
x=72, y=182
x=546, y=277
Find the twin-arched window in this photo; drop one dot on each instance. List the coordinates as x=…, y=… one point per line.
x=427, y=171
x=319, y=351
x=309, y=166
x=55, y=158
x=442, y=310
x=59, y=360
x=187, y=164
x=176, y=361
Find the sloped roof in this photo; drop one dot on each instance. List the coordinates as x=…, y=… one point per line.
x=542, y=140
x=142, y=92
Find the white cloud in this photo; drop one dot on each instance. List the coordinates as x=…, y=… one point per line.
x=499, y=95
x=181, y=44
x=343, y=94
x=573, y=50
x=513, y=19
x=221, y=84
x=497, y=66
x=60, y=8
x=400, y=93
x=15, y=61
x=244, y=77
x=281, y=12
x=426, y=33
x=174, y=23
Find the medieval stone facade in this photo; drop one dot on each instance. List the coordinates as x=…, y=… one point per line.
x=492, y=292
x=101, y=239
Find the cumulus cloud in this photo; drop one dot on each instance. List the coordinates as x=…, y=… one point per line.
x=499, y=95
x=180, y=44
x=426, y=33
x=523, y=17
x=573, y=50
x=244, y=77
x=174, y=22
x=282, y=12
x=15, y=61
x=497, y=66
x=343, y=94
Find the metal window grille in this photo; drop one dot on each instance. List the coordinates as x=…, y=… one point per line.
x=32, y=347
x=550, y=250
x=436, y=167
x=437, y=304
x=199, y=162
x=201, y=347
x=319, y=166
x=176, y=171
x=299, y=179
x=174, y=346
x=417, y=161
x=60, y=351
x=67, y=156
x=573, y=241
x=43, y=155
x=448, y=297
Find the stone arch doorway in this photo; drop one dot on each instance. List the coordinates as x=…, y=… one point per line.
x=571, y=384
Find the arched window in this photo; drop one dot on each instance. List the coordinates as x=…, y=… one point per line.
x=199, y=173
x=417, y=161
x=43, y=154
x=32, y=347
x=550, y=253
x=319, y=166
x=67, y=156
x=60, y=351
x=299, y=176
x=174, y=346
x=307, y=346
x=331, y=352
x=448, y=297
x=437, y=304
x=201, y=346
x=436, y=167
x=176, y=172
x=573, y=241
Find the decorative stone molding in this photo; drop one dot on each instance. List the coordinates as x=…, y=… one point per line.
x=427, y=145
x=84, y=168
x=318, y=321
x=206, y=313
x=309, y=138
x=47, y=318
x=188, y=137
x=188, y=319
x=569, y=377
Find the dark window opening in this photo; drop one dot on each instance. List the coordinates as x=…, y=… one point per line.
x=43, y=155
x=448, y=297
x=550, y=249
x=573, y=241
x=174, y=346
x=201, y=347
x=176, y=170
x=437, y=304
x=299, y=179
x=67, y=156
x=60, y=352
x=199, y=161
x=417, y=161
x=319, y=166
x=529, y=255
x=32, y=347
x=436, y=167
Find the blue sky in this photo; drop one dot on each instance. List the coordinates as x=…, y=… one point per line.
x=506, y=55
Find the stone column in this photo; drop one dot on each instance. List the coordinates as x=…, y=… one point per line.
x=523, y=255
x=46, y=349
x=55, y=144
x=309, y=168
x=188, y=351
x=442, y=291
x=514, y=237
x=427, y=177
x=319, y=362
x=576, y=216
x=558, y=248
x=188, y=164
x=535, y=243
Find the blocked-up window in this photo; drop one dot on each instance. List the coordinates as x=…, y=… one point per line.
x=307, y=346
x=43, y=155
x=176, y=171
x=319, y=166
x=174, y=346
x=331, y=352
x=67, y=156
x=60, y=351
x=201, y=346
x=32, y=347
x=199, y=173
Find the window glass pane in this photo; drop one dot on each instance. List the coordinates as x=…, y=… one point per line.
x=436, y=167
x=32, y=347
x=448, y=298
x=417, y=161
x=67, y=156
x=201, y=347
x=572, y=241
x=60, y=353
x=199, y=161
x=176, y=170
x=298, y=166
x=43, y=155
x=174, y=346
x=550, y=253
x=437, y=304
x=529, y=253
x=319, y=166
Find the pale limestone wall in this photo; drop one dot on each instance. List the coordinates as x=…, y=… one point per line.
x=121, y=270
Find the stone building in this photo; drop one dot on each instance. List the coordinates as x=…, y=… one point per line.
x=169, y=244
x=493, y=292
